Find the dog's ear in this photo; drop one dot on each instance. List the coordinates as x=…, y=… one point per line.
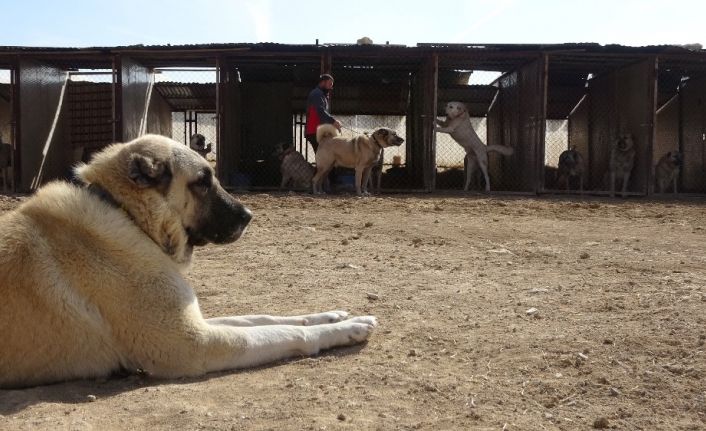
x=147, y=171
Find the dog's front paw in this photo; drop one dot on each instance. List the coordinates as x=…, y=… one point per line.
x=368, y=320
x=326, y=317
x=361, y=327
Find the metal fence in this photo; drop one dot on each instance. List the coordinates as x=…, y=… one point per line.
x=90, y=112
x=538, y=122
x=190, y=96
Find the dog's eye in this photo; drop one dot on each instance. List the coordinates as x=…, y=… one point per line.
x=204, y=181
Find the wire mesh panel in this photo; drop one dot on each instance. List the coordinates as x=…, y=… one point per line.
x=5, y=106
x=566, y=138
x=266, y=112
x=451, y=161
x=621, y=116
x=556, y=151
x=607, y=108
x=678, y=153
x=463, y=103
x=90, y=109
x=6, y=146
x=493, y=117
x=368, y=96
x=183, y=106
x=393, y=162
x=693, y=137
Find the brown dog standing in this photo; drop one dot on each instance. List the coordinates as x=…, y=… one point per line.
x=360, y=153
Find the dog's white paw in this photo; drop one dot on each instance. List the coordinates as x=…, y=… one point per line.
x=368, y=320
x=361, y=327
x=326, y=317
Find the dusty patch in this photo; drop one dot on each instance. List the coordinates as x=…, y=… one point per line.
x=523, y=313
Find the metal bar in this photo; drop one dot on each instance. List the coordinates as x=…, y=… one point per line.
x=16, y=127
x=117, y=99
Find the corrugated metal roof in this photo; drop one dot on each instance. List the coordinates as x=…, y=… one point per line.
x=183, y=96
x=440, y=46
x=566, y=58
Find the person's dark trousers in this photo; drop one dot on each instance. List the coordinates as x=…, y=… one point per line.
x=331, y=175
x=314, y=143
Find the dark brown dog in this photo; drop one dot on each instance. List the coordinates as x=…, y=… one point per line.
x=570, y=166
x=667, y=171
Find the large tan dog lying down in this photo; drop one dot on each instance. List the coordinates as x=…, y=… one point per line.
x=91, y=276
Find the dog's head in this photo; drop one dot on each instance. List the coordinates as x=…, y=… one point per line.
x=675, y=158
x=387, y=138
x=456, y=109
x=198, y=144
x=197, y=141
x=170, y=192
x=282, y=149
x=570, y=158
x=624, y=142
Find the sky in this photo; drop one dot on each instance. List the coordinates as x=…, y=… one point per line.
x=97, y=23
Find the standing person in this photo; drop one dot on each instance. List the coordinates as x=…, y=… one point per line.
x=317, y=109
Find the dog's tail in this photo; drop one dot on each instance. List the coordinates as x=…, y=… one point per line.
x=502, y=149
x=326, y=131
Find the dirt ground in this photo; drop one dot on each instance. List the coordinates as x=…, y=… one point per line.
x=514, y=313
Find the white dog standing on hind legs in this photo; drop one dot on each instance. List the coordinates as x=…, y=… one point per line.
x=74, y=304
x=458, y=125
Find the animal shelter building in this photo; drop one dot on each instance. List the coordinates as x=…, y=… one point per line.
x=60, y=105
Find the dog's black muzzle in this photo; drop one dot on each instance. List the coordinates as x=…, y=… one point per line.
x=224, y=220
x=623, y=145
